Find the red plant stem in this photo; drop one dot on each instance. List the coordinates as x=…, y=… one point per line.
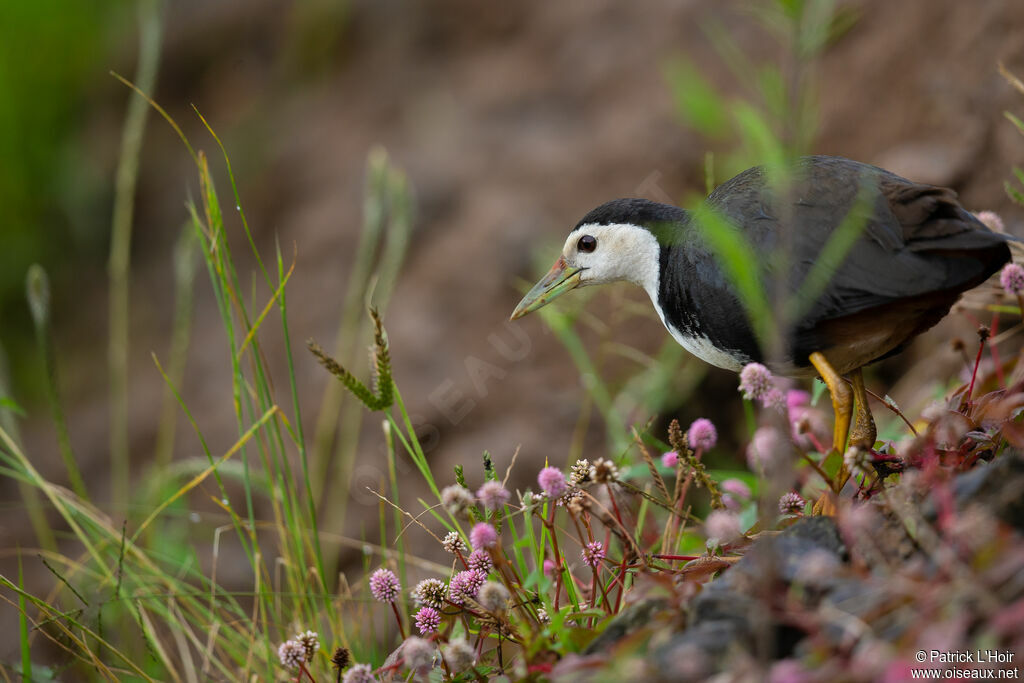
x=615, y=506
x=622, y=582
x=398, y=618
x=974, y=375
x=550, y=524
x=616, y=579
x=604, y=593
x=458, y=554
x=511, y=579
x=304, y=670
x=817, y=468
x=681, y=558
x=579, y=529
x=895, y=409
x=685, y=489
x=816, y=442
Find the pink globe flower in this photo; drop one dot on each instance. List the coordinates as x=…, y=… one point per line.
x=755, y=381
x=464, y=585
x=702, y=434
x=593, y=553
x=723, y=526
x=384, y=585
x=774, y=399
x=764, y=449
x=552, y=482
x=292, y=654
x=670, y=459
x=792, y=503
x=734, y=494
x=991, y=220
x=483, y=535
x=427, y=620
x=481, y=561
x=797, y=398
x=736, y=488
x=1012, y=278
x=493, y=495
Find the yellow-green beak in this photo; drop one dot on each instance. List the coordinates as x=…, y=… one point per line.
x=559, y=280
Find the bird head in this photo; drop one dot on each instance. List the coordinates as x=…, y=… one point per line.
x=613, y=242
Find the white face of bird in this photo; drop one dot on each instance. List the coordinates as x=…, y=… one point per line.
x=598, y=254
x=610, y=253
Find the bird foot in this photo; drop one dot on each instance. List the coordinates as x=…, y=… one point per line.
x=863, y=435
x=825, y=506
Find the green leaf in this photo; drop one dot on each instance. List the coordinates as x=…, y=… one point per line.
x=1016, y=195
x=817, y=389
x=696, y=100
x=1015, y=121
x=739, y=261
x=762, y=142
x=11, y=405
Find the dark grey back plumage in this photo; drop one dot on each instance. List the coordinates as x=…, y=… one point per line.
x=917, y=244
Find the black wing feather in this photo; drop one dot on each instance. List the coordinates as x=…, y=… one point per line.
x=917, y=239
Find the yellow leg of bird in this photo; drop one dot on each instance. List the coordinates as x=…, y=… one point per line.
x=842, y=406
x=842, y=400
x=864, y=433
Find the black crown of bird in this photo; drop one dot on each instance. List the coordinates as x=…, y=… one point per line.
x=916, y=252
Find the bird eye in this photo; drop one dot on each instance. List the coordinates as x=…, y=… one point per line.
x=587, y=243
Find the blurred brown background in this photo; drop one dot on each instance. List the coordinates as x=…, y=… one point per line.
x=511, y=121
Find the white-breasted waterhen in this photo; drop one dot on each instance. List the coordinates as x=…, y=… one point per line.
x=917, y=250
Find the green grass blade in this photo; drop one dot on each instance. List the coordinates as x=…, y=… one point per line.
x=38, y=292
x=119, y=264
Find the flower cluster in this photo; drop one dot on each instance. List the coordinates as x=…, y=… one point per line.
x=765, y=449
x=579, y=473
x=427, y=620
x=464, y=585
x=1012, y=278
x=384, y=585
x=604, y=471
x=292, y=654
x=755, y=381
x=723, y=526
x=360, y=673
x=429, y=593
x=702, y=435
x=992, y=221
x=792, y=503
x=483, y=535
x=734, y=494
x=418, y=653
x=493, y=597
x=456, y=499
x=480, y=560
x=493, y=495
x=299, y=650
x=593, y=553
x=758, y=384
x=453, y=544
x=552, y=482
x=459, y=655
